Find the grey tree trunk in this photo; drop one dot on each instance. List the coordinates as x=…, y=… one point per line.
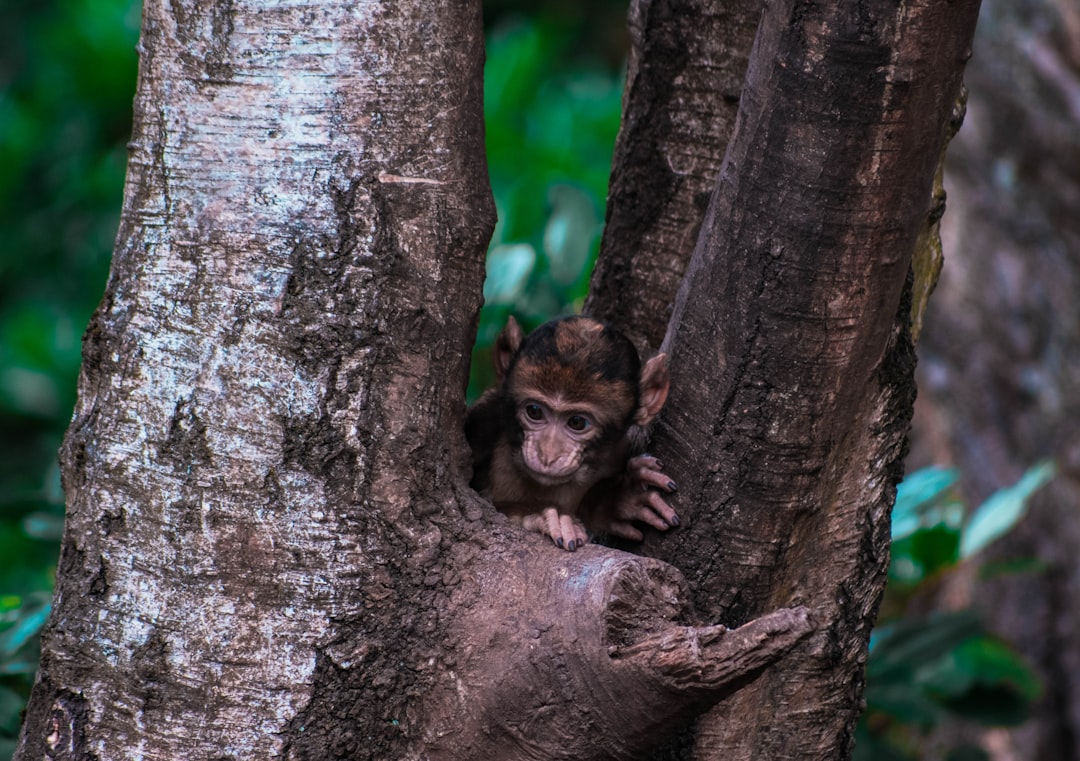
x=270, y=398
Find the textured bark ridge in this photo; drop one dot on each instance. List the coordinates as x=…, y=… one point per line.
x=590, y=655
x=683, y=83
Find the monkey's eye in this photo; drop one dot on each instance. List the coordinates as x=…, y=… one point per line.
x=577, y=423
x=534, y=411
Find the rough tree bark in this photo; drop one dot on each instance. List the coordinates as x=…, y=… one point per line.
x=1000, y=369
x=683, y=80
x=791, y=353
x=270, y=548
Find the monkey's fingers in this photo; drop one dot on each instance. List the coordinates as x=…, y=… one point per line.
x=646, y=470
x=645, y=509
x=545, y=522
x=535, y=522
x=660, y=507
x=649, y=477
x=573, y=533
x=643, y=461
x=565, y=530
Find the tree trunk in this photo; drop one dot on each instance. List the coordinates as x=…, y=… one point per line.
x=271, y=550
x=791, y=354
x=267, y=441
x=1001, y=353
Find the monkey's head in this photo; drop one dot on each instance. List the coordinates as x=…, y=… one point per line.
x=573, y=389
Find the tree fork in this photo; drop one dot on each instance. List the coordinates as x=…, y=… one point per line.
x=269, y=550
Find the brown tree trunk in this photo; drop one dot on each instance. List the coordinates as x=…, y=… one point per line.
x=683, y=81
x=1000, y=359
x=791, y=354
x=270, y=549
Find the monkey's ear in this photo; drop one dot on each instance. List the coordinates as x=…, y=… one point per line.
x=655, y=384
x=506, y=346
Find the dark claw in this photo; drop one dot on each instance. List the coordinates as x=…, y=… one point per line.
x=672, y=487
x=674, y=520
x=559, y=542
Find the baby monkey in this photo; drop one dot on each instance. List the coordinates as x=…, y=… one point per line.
x=558, y=444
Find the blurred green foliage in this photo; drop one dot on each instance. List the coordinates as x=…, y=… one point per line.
x=924, y=670
x=551, y=119
x=67, y=74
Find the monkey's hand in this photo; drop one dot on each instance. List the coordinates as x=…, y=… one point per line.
x=565, y=530
x=638, y=499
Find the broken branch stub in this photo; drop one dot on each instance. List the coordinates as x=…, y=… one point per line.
x=588, y=655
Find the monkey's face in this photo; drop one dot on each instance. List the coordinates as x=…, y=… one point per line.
x=571, y=391
x=555, y=439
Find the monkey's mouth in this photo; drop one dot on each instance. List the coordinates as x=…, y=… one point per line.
x=554, y=474
x=549, y=468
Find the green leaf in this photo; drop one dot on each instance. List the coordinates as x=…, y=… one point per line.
x=29, y=392
x=982, y=680
x=945, y=678
x=18, y=668
x=508, y=270
x=935, y=548
x=26, y=628
x=910, y=644
x=994, y=662
x=45, y=526
x=923, y=553
x=568, y=236
x=998, y=514
x=917, y=492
